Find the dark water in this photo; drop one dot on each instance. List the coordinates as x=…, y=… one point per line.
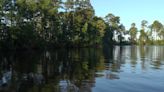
x=117, y=69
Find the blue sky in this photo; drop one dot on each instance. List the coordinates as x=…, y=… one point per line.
x=131, y=10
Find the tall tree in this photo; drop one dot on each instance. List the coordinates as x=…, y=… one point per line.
x=112, y=20
x=115, y=27
x=156, y=29
x=133, y=33
x=143, y=35
x=121, y=33
x=144, y=24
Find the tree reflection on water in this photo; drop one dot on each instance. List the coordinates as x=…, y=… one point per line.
x=72, y=70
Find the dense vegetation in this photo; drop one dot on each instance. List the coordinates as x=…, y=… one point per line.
x=40, y=24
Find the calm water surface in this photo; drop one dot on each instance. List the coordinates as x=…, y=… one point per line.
x=111, y=69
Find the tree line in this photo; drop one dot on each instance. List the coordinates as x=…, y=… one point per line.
x=148, y=34
x=40, y=24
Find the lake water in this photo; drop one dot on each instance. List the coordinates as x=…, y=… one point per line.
x=111, y=69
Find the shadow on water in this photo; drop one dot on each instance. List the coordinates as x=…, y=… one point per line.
x=49, y=71
x=72, y=70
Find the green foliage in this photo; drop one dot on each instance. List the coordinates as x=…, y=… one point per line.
x=133, y=33
x=156, y=26
x=113, y=20
x=100, y=25
x=143, y=37
x=40, y=23
x=114, y=31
